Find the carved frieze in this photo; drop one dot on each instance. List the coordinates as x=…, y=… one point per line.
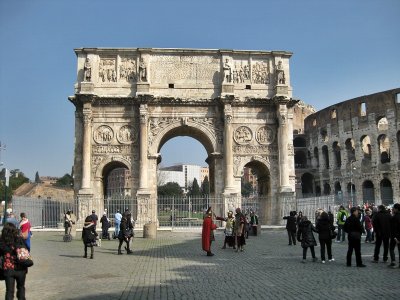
x=127, y=69
x=127, y=135
x=172, y=68
x=106, y=149
x=260, y=73
x=243, y=135
x=103, y=134
x=107, y=70
x=255, y=149
x=265, y=135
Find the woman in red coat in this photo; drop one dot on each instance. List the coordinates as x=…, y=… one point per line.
x=207, y=235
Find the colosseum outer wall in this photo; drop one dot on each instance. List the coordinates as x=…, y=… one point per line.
x=353, y=150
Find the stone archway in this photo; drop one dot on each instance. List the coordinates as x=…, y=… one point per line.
x=129, y=102
x=262, y=168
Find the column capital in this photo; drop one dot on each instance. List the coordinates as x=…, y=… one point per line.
x=87, y=115
x=143, y=113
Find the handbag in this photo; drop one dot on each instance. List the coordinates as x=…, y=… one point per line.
x=24, y=258
x=333, y=234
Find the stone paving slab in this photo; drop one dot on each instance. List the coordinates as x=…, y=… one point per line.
x=173, y=266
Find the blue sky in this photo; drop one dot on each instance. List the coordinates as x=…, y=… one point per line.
x=342, y=49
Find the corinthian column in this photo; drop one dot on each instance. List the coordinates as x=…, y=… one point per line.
x=87, y=129
x=228, y=147
x=143, y=163
x=283, y=138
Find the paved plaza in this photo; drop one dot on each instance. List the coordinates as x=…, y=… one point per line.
x=174, y=267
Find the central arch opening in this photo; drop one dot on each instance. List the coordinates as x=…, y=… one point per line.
x=185, y=177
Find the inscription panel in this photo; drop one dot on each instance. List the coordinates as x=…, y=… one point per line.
x=175, y=68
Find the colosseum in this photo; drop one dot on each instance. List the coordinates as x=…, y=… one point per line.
x=351, y=150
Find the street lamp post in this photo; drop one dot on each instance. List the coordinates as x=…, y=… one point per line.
x=351, y=182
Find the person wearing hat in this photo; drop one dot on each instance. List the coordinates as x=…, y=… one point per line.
x=354, y=230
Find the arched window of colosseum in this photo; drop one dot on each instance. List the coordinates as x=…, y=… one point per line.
x=382, y=124
x=351, y=191
x=299, y=142
x=366, y=146
x=317, y=191
x=325, y=156
x=368, y=192
x=309, y=159
x=333, y=114
x=336, y=155
x=316, y=157
x=363, y=109
x=300, y=159
x=338, y=189
x=384, y=148
x=307, y=183
x=386, y=192
x=327, y=188
x=324, y=134
x=314, y=122
x=351, y=153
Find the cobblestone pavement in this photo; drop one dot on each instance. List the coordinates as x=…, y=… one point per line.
x=174, y=267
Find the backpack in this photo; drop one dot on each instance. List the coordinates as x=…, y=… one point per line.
x=343, y=217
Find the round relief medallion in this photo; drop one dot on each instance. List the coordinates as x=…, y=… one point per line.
x=265, y=135
x=103, y=134
x=243, y=135
x=126, y=135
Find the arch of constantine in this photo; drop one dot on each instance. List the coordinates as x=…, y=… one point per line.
x=237, y=104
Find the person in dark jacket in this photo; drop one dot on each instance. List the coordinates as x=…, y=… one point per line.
x=125, y=232
x=105, y=225
x=325, y=229
x=95, y=218
x=291, y=227
x=89, y=235
x=13, y=272
x=381, y=224
x=395, y=234
x=306, y=237
x=354, y=229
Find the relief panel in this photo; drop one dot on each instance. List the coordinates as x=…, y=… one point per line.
x=107, y=70
x=127, y=69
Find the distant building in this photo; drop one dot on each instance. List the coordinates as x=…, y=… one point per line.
x=184, y=175
x=48, y=179
x=249, y=177
x=118, y=183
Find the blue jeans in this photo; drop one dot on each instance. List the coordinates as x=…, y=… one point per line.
x=368, y=238
x=341, y=233
x=117, y=224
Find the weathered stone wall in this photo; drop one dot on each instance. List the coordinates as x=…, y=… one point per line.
x=355, y=141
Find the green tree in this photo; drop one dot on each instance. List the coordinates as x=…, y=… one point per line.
x=247, y=189
x=194, y=189
x=205, y=186
x=65, y=181
x=17, y=178
x=37, y=178
x=169, y=189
